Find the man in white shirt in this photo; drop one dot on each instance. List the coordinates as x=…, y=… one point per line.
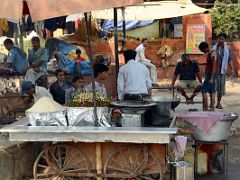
x=133, y=78
x=34, y=92
x=140, y=57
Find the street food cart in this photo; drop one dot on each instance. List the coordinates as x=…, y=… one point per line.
x=95, y=152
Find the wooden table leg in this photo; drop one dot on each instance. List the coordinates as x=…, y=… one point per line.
x=99, y=166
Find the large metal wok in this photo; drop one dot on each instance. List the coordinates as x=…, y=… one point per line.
x=165, y=101
x=133, y=107
x=160, y=115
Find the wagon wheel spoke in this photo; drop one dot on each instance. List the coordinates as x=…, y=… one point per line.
x=119, y=169
x=63, y=161
x=57, y=165
x=74, y=165
x=150, y=165
x=47, y=175
x=75, y=170
x=126, y=159
x=67, y=163
x=140, y=167
x=42, y=166
x=137, y=159
x=117, y=162
x=143, y=164
x=147, y=178
x=60, y=157
x=130, y=159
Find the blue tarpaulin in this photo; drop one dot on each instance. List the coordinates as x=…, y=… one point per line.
x=108, y=25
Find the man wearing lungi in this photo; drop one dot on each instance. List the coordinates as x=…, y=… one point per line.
x=224, y=55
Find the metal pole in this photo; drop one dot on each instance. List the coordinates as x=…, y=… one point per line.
x=20, y=27
x=15, y=34
x=116, y=43
x=124, y=29
x=89, y=36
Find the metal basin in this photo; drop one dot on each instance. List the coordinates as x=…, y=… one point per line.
x=218, y=132
x=133, y=107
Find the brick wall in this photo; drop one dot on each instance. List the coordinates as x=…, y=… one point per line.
x=178, y=45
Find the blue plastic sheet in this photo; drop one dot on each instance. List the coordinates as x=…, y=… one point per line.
x=108, y=25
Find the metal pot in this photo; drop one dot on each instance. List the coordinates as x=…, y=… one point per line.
x=218, y=132
x=160, y=114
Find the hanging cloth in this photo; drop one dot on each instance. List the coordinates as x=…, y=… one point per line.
x=4, y=25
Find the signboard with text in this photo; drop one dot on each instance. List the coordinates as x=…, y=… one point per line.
x=195, y=35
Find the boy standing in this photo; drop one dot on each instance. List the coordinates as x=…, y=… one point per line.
x=210, y=73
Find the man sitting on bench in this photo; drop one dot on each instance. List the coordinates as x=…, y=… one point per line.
x=188, y=71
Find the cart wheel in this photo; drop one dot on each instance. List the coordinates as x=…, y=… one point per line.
x=133, y=162
x=61, y=162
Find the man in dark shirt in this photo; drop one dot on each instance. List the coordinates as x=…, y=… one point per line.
x=188, y=71
x=57, y=89
x=210, y=76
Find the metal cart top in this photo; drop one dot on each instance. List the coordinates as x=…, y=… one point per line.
x=21, y=132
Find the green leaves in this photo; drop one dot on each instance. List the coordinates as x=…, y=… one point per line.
x=226, y=18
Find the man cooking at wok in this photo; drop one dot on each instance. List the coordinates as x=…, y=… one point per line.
x=134, y=79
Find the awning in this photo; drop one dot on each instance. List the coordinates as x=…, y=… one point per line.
x=45, y=9
x=11, y=9
x=153, y=10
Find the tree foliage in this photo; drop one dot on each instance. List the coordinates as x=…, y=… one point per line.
x=226, y=18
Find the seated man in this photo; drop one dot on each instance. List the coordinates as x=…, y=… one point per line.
x=16, y=58
x=37, y=58
x=188, y=71
x=57, y=89
x=100, y=74
x=78, y=87
x=140, y=57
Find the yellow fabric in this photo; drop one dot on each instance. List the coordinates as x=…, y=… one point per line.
x=202, y=160
x=4, y=25
x=72, y=55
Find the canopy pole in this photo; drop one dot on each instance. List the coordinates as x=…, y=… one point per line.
x=20, y=35
x=116, y=43
x=15, y=34
x=89, y=37
x=124, y=29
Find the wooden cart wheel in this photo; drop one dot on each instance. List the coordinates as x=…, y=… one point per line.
x=133, y=163
x=61, y=162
